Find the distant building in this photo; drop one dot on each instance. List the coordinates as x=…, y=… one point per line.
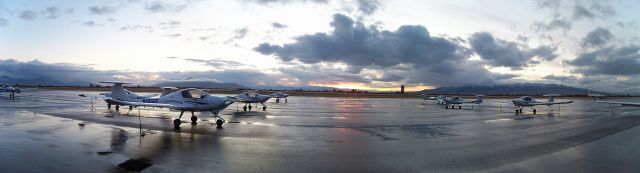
x=401, y=89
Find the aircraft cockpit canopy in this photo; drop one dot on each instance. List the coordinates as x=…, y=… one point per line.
x=194, y=93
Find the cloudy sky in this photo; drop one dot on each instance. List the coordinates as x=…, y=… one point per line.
x=363, y=44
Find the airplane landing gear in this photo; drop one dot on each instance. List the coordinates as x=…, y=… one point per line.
x=194, y=119
x=108, y=106
x=117, y=107
x=277, y=100
x=249, y=107
x=130, y=107
x=534, y=111
x=177, y=122
x=517, y=112
x=264, y=108
x=244, y=108
x=459, y=107
x=285, y=100
x=219, y=120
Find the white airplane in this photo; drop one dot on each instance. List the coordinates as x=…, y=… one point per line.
x=439, y=99
x=527, y=101
x=11, y=90
x=250, y=97
x=597, y=96
x=453, y=101
x=279, y=95
x=183, y=100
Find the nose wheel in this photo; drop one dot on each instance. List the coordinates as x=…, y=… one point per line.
x=219, y=120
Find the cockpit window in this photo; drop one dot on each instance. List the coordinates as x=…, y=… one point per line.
x=527, y=98
x=194, y=93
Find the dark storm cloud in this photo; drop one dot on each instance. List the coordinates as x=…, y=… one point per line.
x=160, y=7
x=597, y=9
x=37, y=72
x=368, y=7
x=360, y=46
x=597, y=37
x=560, y=78
x=609, y=61
x=503, y=53
x=409, y=53
x=102, y=10
x=278, y=25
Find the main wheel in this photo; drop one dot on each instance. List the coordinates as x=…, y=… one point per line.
x=249, y=107
x=108, y=106
x=520, y=110
x=264, y=108
x=459, y=107
x=534, y=111
x=244, y=108
x=117, y=107
x=194, y=119
x=446, y=107
x=517, y=112
x=177, y=122
x=130, y=107
x=219, y=122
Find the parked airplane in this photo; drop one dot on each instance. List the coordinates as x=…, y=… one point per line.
x=621, y=103
x=597, y=96
x=183, y=100
x=249, y=97
x=279, y=95
x=439, y=99
x=527, y=101
x=453, y=101
x=11, y=90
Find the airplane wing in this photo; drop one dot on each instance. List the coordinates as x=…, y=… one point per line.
x=160, y=105
x=621, y=103
x=552, y=103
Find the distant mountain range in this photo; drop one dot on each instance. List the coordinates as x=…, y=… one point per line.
x=199, y=84
x=42, y=81
x=512, y=89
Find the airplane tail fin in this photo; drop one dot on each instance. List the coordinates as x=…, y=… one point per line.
x=480, y=99
x=117, y=91
x=551, y=97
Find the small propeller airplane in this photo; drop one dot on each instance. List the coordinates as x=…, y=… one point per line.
x=11, y=90
x=251, y=97
x=597, y=96
x=439, y=99
x=528, y=101
x=621, y=103
x=279, y=95
x=191, y=99
x=453, y=101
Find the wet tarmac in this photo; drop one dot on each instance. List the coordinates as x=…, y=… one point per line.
x=56, y=131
